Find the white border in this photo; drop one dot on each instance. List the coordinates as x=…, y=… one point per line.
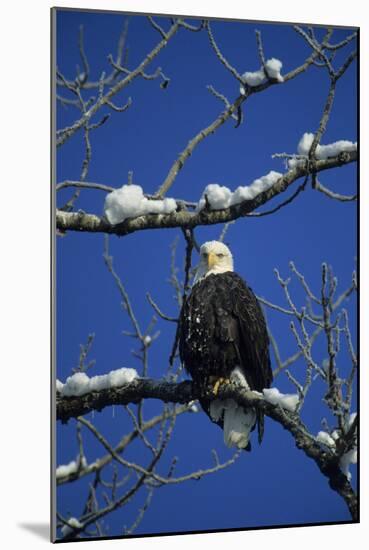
x=25, y=265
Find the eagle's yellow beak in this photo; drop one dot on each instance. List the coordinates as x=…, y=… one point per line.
x=212, y=260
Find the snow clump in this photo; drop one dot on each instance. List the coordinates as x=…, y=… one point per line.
x=273, y=69
x=326, y=439
x=350, y=457
x=129, y=202
x=322, y=151
x=346, y=460
x=287, y=401
x=70, y=468
x=73, y=523
x=80, y=384
x=220, y=197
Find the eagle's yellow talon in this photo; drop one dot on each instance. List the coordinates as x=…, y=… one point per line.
x=218, y=383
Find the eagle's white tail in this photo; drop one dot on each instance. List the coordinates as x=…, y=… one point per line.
x=237, y=421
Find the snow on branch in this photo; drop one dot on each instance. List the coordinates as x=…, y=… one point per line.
x=185, y=392
x=80, y=383
x=81, y=394
x=271, y=70
x=65, y=470
x=325, y=439
x=231, y=110
x=322, y=151
x=81, y=221
x=219, y=197
x=129, y=202
x=70, y=525
x=287, y=401
x=333, y=441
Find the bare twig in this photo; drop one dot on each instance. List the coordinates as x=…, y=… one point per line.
x=150, y=474
x=126, y=301
x=220, y=56
x=333, y=195
x=224, y=231
x=68, y=132
x=159, y=312
x=100, y=463
x=141, y=513
x=157, y=27
x=261, y=51
x=319, y=49
x=284, y=203
x=84, y=185
x=222, y=98
x=83, y=77
x=341, y=44
x=192, y=28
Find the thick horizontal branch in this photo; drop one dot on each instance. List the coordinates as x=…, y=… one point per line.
x=184, y=392
x=141, y=388
x=81, y=221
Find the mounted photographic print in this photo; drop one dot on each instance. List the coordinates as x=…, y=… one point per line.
x=204, y=252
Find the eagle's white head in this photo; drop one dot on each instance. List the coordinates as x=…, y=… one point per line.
x=215, y=257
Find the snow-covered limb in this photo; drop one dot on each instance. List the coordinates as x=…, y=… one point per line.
x=350, y=421
x=80, y=383
x=322, y=151
x=219, y=197
x=194, y=408
x=325, y=439
x=71, y=468
x=350, y=456
x=72, y=523
x=129, y=202
x=81, y=221
x=272, y=68
x=227, y=113
x=185, y=392
x=346, y=460
x=332, y=440
x=79, y=396
x=287, y=401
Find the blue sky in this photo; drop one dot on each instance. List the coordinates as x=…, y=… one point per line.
x=275, y=484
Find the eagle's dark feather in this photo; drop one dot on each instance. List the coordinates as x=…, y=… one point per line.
x=222, y=326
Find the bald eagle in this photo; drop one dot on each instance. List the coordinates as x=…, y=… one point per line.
x=223, y=338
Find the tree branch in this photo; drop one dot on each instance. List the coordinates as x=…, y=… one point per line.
x=98, y=464
x=184, y=392
x=333, y=195
x=81, y=221
x=66, y=133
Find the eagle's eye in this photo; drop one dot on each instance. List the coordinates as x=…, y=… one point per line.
x=204, y=254
x=220, y=255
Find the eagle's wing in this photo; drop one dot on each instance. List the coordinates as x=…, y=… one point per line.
x=249, y=334
x=246, y=327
